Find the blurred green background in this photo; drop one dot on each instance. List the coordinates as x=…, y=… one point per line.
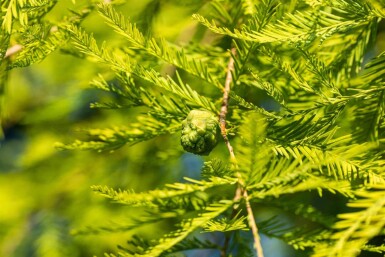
x=45, y=192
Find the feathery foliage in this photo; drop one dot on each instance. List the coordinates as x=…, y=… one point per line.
x=305, y=117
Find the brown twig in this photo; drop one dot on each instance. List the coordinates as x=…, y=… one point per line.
x=253, y=225
x=225, y=104
x=240, y=191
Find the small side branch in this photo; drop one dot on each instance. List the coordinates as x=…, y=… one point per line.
x=253, y=225
x=13, y=50
x=225, y=104
x=240, y=191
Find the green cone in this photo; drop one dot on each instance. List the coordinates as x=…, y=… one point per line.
x=200, y=132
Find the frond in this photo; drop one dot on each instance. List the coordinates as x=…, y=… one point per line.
x=153, y=197
x=341, y=162
x=300, y=180
x=147, y=16
x=269, y=176
x=87, y=44
x=307, y=128
x=124, y=86
x=253, y=153
x=132, y=95
x=186, y=228
x=249, y=7
x=180, y=89
x=223, y=224
x=374, y=249
x=369, y=115
x=219, y=30
x=36, y=9
x=23, y=11
x=377, y=7
x=305, y=211
x=266, y=11
x=145, y=128
x=13, y=10
x=373, y=72
x=41, y=39
x=38, y=42
x=346, y=64
x=243, y=51
x=300, y=237
x=304, y=26
x=292, y=70
x=268, y=87
x=306, y=240
x=252, y=107
x=319, y=71
x=216, y=168
x=158, y=48
x=227, y=14
x=356, y=228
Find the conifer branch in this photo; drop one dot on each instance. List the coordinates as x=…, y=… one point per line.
x=240, y=191
x=225, y=104
x=322, y=131
x=253, y=225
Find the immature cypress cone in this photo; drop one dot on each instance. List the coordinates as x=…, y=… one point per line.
x=200, y=132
